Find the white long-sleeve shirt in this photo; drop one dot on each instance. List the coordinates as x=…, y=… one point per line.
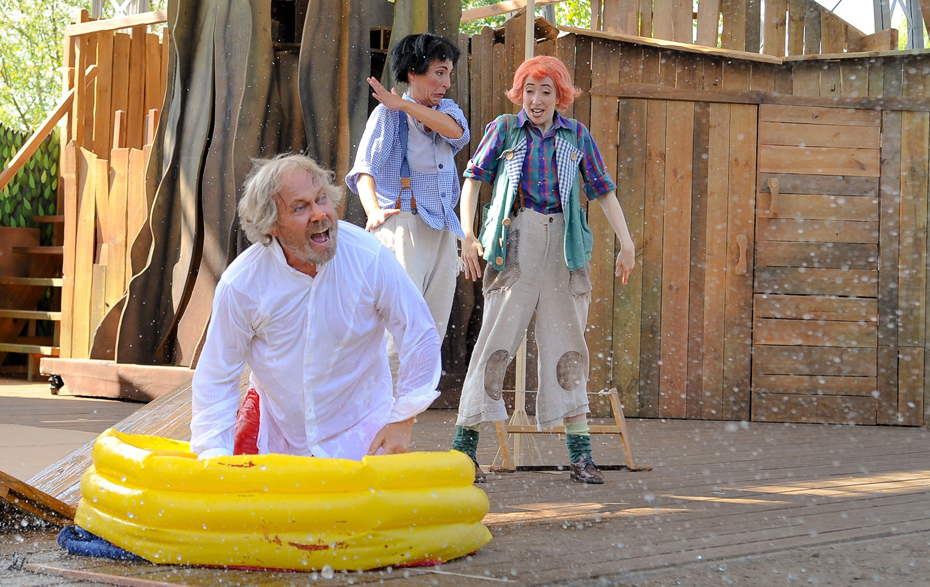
x=316, y=349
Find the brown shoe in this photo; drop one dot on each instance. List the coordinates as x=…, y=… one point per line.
x=585, y=471
x=480, y=476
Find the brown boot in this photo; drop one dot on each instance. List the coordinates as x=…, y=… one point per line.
x=585, y=471
x=480, y=476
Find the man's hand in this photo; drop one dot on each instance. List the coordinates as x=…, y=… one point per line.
x=377, y=217
x=393, y=438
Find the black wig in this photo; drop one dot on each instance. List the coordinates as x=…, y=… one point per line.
x=416, y=52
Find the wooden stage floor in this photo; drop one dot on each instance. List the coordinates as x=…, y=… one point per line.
x=727, y=503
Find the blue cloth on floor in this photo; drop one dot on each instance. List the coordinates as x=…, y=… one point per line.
x=77, y=540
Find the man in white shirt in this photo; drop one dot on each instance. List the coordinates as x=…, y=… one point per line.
x=309, y=318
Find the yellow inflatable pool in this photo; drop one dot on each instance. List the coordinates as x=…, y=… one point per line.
x=151, y=496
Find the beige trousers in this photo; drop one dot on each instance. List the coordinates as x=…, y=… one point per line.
x=430, y=258
x=536, y=280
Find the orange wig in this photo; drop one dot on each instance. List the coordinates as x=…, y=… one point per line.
x=538, y=68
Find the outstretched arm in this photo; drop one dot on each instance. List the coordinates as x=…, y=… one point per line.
x=626, y=259
x=434, y=119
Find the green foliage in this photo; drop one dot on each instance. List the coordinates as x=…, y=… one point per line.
x=574, y=13
x=31, y=53
x=34, y=190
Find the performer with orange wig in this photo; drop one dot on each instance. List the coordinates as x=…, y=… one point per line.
x=537, y=244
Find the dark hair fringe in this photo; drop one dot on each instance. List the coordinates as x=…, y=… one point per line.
x=416, y=52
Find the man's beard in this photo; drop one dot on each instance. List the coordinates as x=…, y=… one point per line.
x=304, y=249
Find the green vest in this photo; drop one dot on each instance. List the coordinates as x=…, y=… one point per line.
x=497, y=215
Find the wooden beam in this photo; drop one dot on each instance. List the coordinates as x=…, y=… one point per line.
x=654, y=92
x=34, y=501
x=32, y=145
x=500, y=8
x=115, y=24
x=662, y=44
x=886, y=40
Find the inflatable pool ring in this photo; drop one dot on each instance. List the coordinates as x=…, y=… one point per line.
x=154, y=498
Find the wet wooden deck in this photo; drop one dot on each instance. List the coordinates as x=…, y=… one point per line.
x=721, y=493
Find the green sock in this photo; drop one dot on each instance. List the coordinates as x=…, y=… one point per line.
x=578, y=440
x=466, y=440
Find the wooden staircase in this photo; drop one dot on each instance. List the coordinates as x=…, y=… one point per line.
x=27, y=272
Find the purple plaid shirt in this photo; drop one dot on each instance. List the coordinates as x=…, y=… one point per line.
x=538, y=180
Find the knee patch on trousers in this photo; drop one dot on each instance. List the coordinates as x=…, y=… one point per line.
x=570, y=370
x=494, y=371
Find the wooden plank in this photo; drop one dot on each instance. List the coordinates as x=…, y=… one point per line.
x=742, y=171
x=812, y=409
x=621, y=16
x=581, y=109
x=650, y=343
x=113, y=24
x=698, y=260
x=815, y=361
x=69, y=190
x=855, y=78
x=154, y=96
x=120, y=83
x=137, y=211
x=776, y=27
x=80, y=95
x=103, y=120
x=815, y=115
x=910, y=386
x=733, y=36
x=708, y=21
x=832, y=35
x=809, y=332
x=817, y=231
x=38, y=502
x=812, y=28
x=87, y=111
x=605, y=130
x=763, y=77
x=805, y=78
x=628, y=307
x=676, y=260
x=822, y=207
x=664, y=28
x=818, y=135
x=796, y=9
x=814, y=385
x=737, y=76
x=716, y=269
x=839, y=185
x=819, y=160
x=98, y=294
x=84, y=256
x=887, y=384
x=827, y=255
x=804, y=281
x=135, y=109
x=886, y=40
x=821, y=308
x=116, y=253
x=912, y=247
x=102, y=197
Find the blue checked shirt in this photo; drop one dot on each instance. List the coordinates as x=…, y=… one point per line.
x=434, y=178
x=539, y=181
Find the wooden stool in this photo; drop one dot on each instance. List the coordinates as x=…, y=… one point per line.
x=522, y=426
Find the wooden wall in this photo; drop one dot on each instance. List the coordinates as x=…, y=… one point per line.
x=680, y=132
x=119, y=78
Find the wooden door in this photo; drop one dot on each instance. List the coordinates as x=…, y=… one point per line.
x=815, y=288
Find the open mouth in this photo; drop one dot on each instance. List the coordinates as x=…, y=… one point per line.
x=321, y=238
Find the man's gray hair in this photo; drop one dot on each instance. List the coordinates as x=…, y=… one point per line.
x=258, y=213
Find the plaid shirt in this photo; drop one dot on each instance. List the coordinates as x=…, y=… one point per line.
x=538, y=180
x=434, y=179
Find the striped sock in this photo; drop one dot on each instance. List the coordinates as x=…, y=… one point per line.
x=466, y=440
x=578, y=440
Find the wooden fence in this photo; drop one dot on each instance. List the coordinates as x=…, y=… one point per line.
x=111, y=126
x=808, y=309
x=788, y=27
